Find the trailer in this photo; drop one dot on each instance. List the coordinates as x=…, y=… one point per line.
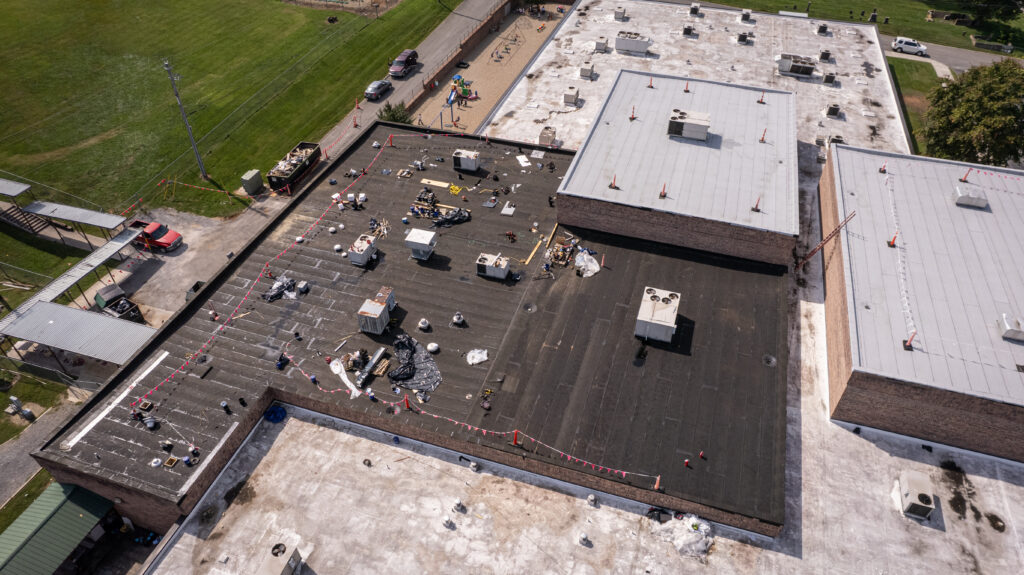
x=293, y=166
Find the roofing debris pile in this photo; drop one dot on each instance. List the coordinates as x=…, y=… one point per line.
x=283, y=287
x=416, y=368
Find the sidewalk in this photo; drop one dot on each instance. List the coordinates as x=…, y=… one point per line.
x=15, y=460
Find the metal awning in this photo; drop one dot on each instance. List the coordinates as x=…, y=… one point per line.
x=69, y=278
x=12, y=189
x=46, y=533
x=87, y=333
x=73, y=214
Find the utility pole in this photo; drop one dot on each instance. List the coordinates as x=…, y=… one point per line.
x=184, y=116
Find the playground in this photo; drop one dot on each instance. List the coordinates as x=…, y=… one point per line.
x=465, y=99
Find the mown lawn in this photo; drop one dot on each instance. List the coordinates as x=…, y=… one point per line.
x=906, y=18
x=914, y=80
x=88, y=108
x=20, y=502
x=27, y=390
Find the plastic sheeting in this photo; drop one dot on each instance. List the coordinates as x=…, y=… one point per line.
x=476, y=356
x=586, y=264
x=456, y=216
x=416, y=367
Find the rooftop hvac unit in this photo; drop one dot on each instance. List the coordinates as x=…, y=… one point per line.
x=832, y=111
x=745, y=16
x=829, y=78
x=373, y=317
x=657, y=316
x=386, y=295
x=571, y=96
x=631, y=42
x=916, y=497
x=690, y=125
x=252, y=182
x=741, y=38
x=492, y=266
x=822, y=29
x=825, y=56
x=279, y=561
x=601, y=45
x=587, y=71
x=793, y=64
x=466, y=160
x=1012, y=328
x=547, y=136
x=362, y=250
x=620, y=14
x=695, y=8
x=970, y=196
x=421, y=242
x=688, y=30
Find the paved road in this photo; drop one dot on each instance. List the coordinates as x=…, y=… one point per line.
x=959, y=59
x=434, y=51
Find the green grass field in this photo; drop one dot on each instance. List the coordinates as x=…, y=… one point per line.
x=88, y=108
x=914, y=80
x=21, y=500
x=906, y=18
x=28, y=390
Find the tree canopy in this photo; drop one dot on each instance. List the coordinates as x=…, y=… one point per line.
x=979, y=116
x=397, y=113
x=985, y=10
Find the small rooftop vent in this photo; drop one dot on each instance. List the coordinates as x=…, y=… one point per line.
x=829, y=78
x=1012, y=328
x=571, y=96
x=825, y=56
x=695, y=8
x=741, y=38
x=691, y=125
x=620, y=13
x=793, y=64
x=587, y=71
x=688, y=30
x=822, y=29
x=832, y=111
x=547, y=136
x=970, y=196
x=601, y=45
x=745, y=16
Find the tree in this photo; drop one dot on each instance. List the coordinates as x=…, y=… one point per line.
x=985, y=10
x=397, y=113
x=979, y=116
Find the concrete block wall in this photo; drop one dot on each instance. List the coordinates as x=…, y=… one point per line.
x=679, y=230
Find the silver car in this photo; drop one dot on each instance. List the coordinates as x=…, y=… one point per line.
x=377, y=89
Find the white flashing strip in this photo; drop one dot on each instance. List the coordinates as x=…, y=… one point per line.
x=78, y=436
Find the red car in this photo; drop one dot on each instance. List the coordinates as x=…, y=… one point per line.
x=156, y=237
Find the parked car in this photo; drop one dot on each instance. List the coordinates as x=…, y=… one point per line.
x=156, y=237
x=909, y=45
x=403, y=64
x=377, y=89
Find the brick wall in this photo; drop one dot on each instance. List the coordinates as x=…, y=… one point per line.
x=837, y=318
x=934, y=414
x=686, y=231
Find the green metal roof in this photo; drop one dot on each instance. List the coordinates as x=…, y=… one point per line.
x=49, y=530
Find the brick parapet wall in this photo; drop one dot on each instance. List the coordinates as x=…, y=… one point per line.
x=837, y=318
x=675, y=229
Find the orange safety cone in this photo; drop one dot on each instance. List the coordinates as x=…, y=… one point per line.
x=686, y=462
x=763, y=134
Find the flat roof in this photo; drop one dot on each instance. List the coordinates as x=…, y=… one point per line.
x=954, y=272
x=63, y=283
x=87, y=333
x=12, y=189
x=720, y=179
x=870, y=112
x=562, y=356
x=73, y=214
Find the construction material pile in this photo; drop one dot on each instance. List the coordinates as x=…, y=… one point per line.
x=416, y=369
x=283, y=287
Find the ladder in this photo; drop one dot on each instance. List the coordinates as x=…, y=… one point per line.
x=826, y=239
